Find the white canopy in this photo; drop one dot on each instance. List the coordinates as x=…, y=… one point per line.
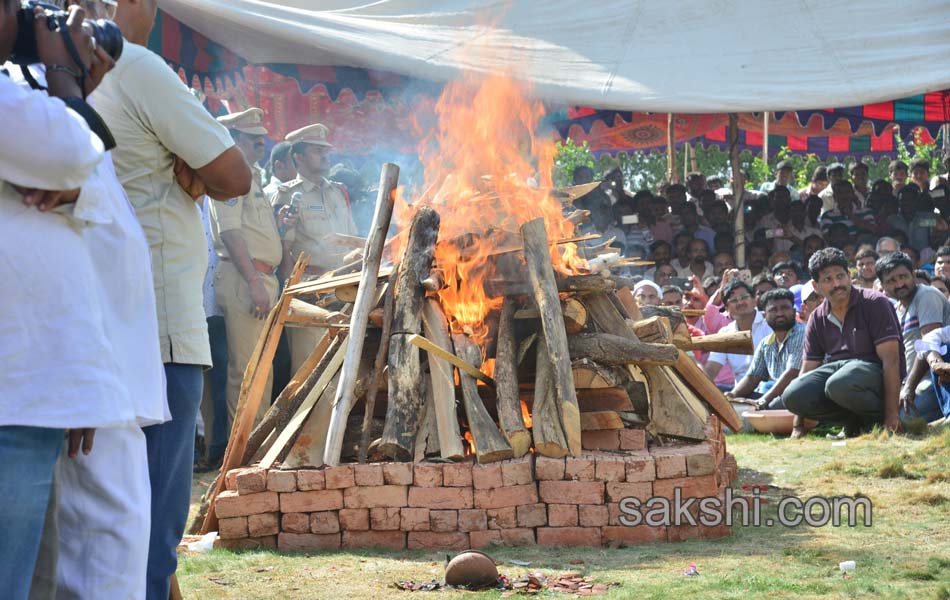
x=688, y=56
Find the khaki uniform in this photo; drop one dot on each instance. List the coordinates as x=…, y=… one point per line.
x=253, y=217
x=323, y=210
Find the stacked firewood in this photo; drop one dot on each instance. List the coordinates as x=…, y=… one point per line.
x=565, y=358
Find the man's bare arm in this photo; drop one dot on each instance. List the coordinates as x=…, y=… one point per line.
x=889, y=353
x=227, y=176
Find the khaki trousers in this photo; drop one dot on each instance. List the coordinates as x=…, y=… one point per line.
x=233, y=295
x=302, y=342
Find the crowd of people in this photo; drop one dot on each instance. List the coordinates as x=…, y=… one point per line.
x=844, y=292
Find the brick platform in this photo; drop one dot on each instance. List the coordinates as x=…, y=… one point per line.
x=531, y=500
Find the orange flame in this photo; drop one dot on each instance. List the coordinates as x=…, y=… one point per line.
x=526, y=414
x=470, y=448
x=487, y=171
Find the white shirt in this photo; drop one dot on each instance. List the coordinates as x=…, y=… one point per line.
x=59, y=368
x=739, y=363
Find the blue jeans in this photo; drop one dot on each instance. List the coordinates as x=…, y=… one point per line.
x=939, y=405
x=26, y=473
x=218, y=378
x=171, y=453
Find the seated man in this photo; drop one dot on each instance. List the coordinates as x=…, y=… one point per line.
x=852, y=361
x=934, y=349
x=779, y=357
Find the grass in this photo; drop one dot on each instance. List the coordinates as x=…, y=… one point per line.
x=905, y=553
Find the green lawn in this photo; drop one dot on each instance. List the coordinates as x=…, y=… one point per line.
x=905, y=554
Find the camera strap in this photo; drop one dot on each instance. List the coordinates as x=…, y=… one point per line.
x=74, y=53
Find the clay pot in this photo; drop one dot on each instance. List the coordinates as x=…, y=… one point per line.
x=471, y=569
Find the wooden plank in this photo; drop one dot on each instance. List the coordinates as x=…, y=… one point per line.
x=629, y=302
x=508, y=402
x=615, y=399
x=376, y=379
x=738, y=342
x=305, y=407
x=433, y=348
x=671, y=412
x=305, y=448
x=490, y=444
x=329, y=284
x=655, y=329
x=442, y=381
x=603, y=419
x=687, y=368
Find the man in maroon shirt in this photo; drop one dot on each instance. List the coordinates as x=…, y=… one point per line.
x=853, y=357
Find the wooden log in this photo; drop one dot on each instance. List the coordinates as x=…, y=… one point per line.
x=546, y=428
x=607, y=317
x=655, y=330
x=379, y=365
x=434, y=282
x=588, y=375
x=578, y=216
x=442, y=382
x=346, y=293
x=252, y=390
x=609, y=349
x=674, y=315
x=433, y=348
x=326, y=283
x=614, y=399
x=293, y=395
x=305, y=313
x=739, y=342
x=575, y=315
x=696, y=378
x=674, y=408
x=508, y=401
x=603, y=419
x=365, y=301
x=305, y=447
x=425, y=432
x=541, y=275
x=585, y=283
x=405, y=395
x=377, y=317
x=490, y=444
x=629, y=302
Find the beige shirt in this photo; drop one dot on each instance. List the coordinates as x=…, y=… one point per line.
x=154, y=117
x=253, y=216
x=323, y=210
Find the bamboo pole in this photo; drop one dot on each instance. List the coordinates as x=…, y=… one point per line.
x=765, y=137
x=738, y=189
x=670, y=148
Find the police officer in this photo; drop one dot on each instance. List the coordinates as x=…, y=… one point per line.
x=323, y=208
x=247, y=240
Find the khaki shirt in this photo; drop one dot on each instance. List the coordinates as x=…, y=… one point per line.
x=153, y=116
x=253, y=216
x=323, y=210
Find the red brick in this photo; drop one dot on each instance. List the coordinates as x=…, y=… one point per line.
x=384, y=519
x=263, y=524
x=617, y=491
x=427, y=475
x=260, y=543
x=601, y=439
x=457, y=475
x=572, y=492
x=354, y=519
x=532, y=515
x=230, y=478
x=633, y=439
x=474, y=519
x=613, y=513
x=324, y=522
x=519, y=471
x=444, y=498
x=484, y=539
x=616, y=536
x=681, y=533
x=310, y=479
x=388, y=540
x=640, y=467
x=368, y=474
x=609, y=468
x=519, y=536
x=339, y=477
x=295, y=522
x=513, y=495
x=303, y=542
x=228, y=504
x=414, y=519
x=569, y=536
x=376, y=496
x=486, y=477
x=431, y=540
x=232, y=528
x=281, y=481
x=443, y=520
x=311, y=501
x=592, y=515
x=702, y=461
x=251, y=481
x=691, y=487
x=670, y=463
x=397, y=473
x=579, y=468
x=502, y=518
x=549, y=468
x=562, y=515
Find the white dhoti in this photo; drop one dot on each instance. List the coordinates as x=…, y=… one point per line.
x=104, y=518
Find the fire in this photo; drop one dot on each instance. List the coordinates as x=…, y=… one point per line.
x=526, y=414
x=470, y=448
x=487, y=171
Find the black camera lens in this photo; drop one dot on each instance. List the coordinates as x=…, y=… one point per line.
x=108, y=36
x=107, y=33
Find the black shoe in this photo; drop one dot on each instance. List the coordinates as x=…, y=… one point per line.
x=203, y=465
x=852, y=429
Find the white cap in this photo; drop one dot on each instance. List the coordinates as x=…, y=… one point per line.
x=808, y=288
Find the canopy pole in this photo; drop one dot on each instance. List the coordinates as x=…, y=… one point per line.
x=765, y=137
x=686, y=153
x=738, y=189
x=670, y=149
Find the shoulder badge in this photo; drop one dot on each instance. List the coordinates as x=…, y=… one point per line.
x=286, y=187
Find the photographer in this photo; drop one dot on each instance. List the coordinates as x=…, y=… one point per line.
x=59, y=361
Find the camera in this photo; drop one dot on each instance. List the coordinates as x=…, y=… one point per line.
x=107, y=33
